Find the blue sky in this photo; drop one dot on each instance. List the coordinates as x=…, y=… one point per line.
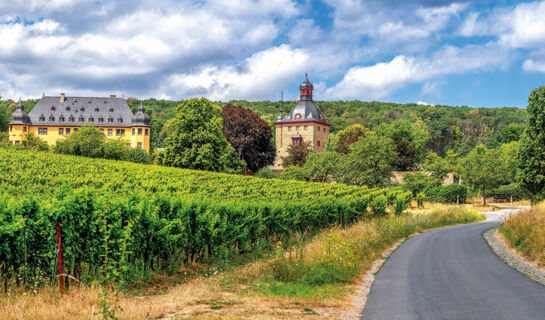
x=481, y=54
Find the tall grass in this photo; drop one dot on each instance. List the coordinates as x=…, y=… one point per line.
x=339, y=256
x=526, y=232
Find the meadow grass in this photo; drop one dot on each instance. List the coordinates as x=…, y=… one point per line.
x=526, y=233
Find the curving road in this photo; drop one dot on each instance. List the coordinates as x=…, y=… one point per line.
x=451, y=273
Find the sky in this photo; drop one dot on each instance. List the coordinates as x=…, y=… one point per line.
x=474, y=53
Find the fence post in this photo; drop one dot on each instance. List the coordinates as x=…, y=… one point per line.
x=59, y=254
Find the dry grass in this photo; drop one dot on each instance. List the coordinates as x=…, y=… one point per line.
x=526, y=233
x=234, y=294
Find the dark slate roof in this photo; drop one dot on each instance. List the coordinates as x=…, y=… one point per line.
x=306, y=84
x=140, y=118
x=19, y=116
x=50, y=110
x=308, y=110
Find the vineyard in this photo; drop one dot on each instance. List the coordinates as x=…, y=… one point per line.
x=122, y=222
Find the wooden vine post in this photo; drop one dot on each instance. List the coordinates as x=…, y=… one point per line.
x=59, y=246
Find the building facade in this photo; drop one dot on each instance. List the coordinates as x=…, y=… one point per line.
x=305, y=122
x=54, y=118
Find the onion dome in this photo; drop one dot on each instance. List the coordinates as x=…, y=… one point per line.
x=19, y=115
x=140, y=118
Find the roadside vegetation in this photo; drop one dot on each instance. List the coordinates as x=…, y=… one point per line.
x=301, y=277
x=525, y=232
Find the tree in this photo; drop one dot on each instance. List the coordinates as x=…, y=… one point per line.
x=5, y=116
x=114, y=149
x=350, y=135
x=509, y=133
x=418, y=182
x=370, y=162
x=321, y=165
x=409, y=140
x=532, y=147
x=508, y=155
x=297, y=154
x=294, y=173
x=481, y=170
x=32, y=141
x=250, y=135
x=439, y=167
x=88, y=141
x=195, y=140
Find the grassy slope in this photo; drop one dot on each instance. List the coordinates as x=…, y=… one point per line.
x=526, y=233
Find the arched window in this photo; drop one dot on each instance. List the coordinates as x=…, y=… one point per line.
x=71, y=118
x=67, y=109
x=82, y=109
x=42, y=117
x=110, y=120
x=100, y=119
x=97, y=109
x=51, y=118
x=119, y=120
x=61, y=118
x=91, y=119
x=297, y=116
x=52, y=108
x=80, y=119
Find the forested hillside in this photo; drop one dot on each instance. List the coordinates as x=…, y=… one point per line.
x=456, y=128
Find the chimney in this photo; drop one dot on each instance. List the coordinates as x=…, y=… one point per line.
x=112, y=96
x=62, y=97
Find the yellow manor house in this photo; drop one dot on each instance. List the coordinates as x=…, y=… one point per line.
x=54, y=118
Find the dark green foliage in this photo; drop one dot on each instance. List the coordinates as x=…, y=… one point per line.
x=510, y=190
x=34, y=142
x=265, y=173
x=294, y=173
x=401, y=202
x=321, y=166
x=417, y=182
x=297, y=154
x=195, y=140
x=531, y=157
x=409, y=140
x=482, y=170
x=447, y=194
x=137, y=155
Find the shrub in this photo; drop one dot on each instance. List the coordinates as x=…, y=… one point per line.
x=418, y=182
x=137, y=155
x=420, y=199
x=114, y=149
x=511, y=190
x=378, y=205
x=448, y=194
x=294, y=173
x=401, y=202
x=265, y=173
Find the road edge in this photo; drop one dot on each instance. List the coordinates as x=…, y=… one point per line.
x=513, y=260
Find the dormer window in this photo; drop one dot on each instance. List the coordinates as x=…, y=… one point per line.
x=51, y=118
x=111, y=110
x=119, y=120
x=52, y=108
x=42, y=117
x=89, y=101
x=67, y=109
x=71, y=118
x=110, y=120
x=80, y=119
x=82, y=109
x=100, y=119
x=97, y=109
x=91, y=119
x=61, y=118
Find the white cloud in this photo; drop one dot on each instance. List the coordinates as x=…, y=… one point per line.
x=424, y=103
x=261, y=75
x=381, y=79
x=532, y=65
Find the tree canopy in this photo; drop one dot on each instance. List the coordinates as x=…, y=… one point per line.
x=250, y=135
x=409, y=141
x=481, y=170
x=195, y=139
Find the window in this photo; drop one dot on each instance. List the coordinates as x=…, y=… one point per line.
x=119, y=120
x=67, y=130
x=146, y=132
x=82, y=109
x=61, y=118
x=111, y=109
x=80, y=119
x=133, y=132
x=10, y=128
x=318, y=143
x=139, y=131
x=100, y=119
x=51, y=118
x=42, y=117
x=17, y=142
x=42, y=130
x=318, y=128
x=109, y=132
x=297, y=128
x=91, y=119
x=120, y=132
x=139, y=145
x=110, y=120
x=96, y=109
x=289, y=128
x=298, y=116
x=52, y=108
x=306, y=127
x=61, y=131
x=67, y=109
x=75, y=129
x=71, y=118
x=24, y=129
x=102, y=130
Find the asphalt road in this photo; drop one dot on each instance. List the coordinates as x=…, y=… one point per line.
x=452, y=273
